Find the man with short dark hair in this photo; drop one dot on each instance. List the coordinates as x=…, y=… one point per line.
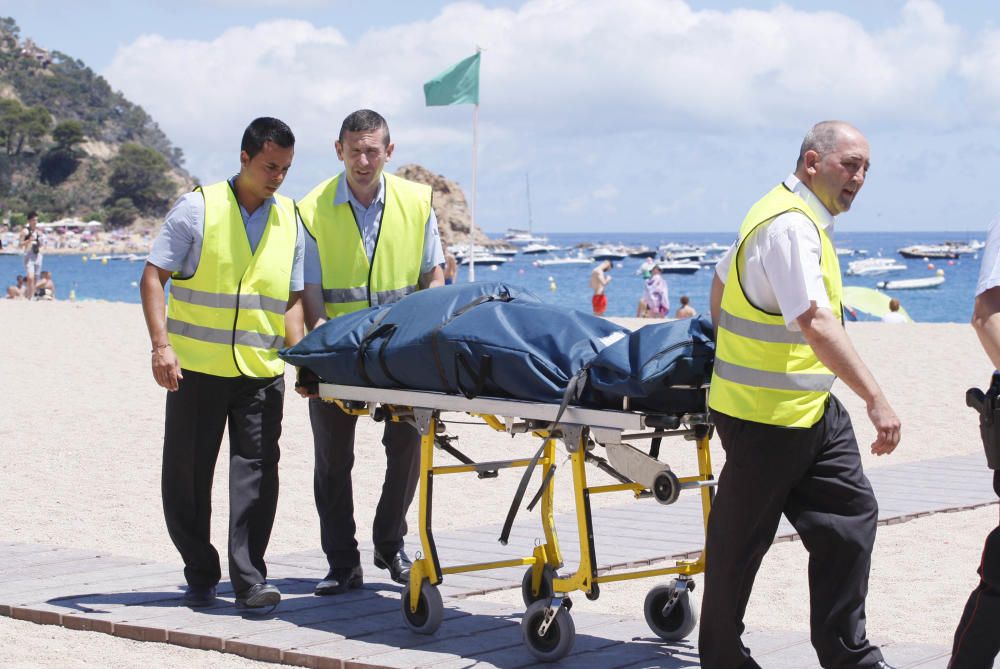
x=372, y=239
x=233, y=252
x=790, y=447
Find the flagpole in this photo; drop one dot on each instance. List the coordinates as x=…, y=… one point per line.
x=472, y=224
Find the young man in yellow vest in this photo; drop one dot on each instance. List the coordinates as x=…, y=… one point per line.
x=234, y=253
x=372, y=238
x=790, y=447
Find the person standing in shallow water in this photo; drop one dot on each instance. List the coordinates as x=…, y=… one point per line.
x=789, y=443
x=599, y=279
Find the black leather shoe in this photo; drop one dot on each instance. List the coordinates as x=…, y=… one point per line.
x=882, y=664
x=397, y=564
x=339, y=580
x=258, y=596
x=198, y=596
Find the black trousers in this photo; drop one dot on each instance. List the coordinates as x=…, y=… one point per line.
x=333, y=438
x=977, y=639
x=814, y=476
x=197, y=414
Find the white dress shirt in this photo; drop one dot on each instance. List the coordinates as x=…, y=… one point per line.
x=781, y=272
x=989, y=270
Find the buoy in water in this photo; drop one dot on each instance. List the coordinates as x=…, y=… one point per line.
x=930, y=265
x=940, y=272
x=84, y=258
x=104, y=261
x=552, y=286
x=951, y=262
x=134, y=284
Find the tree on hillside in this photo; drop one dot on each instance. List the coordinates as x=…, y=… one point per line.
x=67, y=134
x=60, y=162
x=20, y=125
x=139, y=174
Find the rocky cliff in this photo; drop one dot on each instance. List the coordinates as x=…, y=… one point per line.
x=454, y=220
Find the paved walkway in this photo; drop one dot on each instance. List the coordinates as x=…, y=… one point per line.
x=363, y=629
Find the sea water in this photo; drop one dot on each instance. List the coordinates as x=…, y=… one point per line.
x=569, y=285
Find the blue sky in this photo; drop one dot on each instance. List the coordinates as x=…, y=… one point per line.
x=639, y=115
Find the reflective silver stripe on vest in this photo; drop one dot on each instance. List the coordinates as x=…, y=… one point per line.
x=773, y=334
x=344, y=295
x=774, y=380
x=223, y=301
x=217, y=336
x=390, y=296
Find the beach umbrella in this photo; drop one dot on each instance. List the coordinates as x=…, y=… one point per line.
x=869, y=301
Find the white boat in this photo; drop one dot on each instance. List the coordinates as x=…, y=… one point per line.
x=928, y=251
x=519, y=237
x=679, y=266
x=565, y=260
x=532, y=249
x=911, y=284
x=508, y=251
x=872, y=266
x=485, y=259
x=608, y=253
x=641, y=252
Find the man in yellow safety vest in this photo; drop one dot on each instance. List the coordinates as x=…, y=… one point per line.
x=789, y=443
x=372, y=238
x=234, y=254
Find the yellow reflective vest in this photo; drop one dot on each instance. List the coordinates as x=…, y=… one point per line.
x=228, y=319
x=350, y=282
x=764, y=372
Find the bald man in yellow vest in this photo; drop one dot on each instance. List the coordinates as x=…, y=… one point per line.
x=372, y=238
x=790, y=446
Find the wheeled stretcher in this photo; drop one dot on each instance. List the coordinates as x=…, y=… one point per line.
x=547, y=627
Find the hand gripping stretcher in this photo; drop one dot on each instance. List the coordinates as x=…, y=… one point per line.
x=547, y=628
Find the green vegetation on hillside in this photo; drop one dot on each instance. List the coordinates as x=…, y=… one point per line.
x=71, y=146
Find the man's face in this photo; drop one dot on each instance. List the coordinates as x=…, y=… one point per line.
x=32, y=222
x=364, y=154
x=839, y=175
x=265, y=172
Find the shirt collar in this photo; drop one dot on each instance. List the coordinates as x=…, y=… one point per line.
x=269, y=201
x=825, y=218
x=344, y=193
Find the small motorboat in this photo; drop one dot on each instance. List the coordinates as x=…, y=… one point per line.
x=926, y=251
x=608, y=253
x=566, y=260
x=485, y=259
x=534, y=249
x=912, y=284
x=679, y=266
x=872, y=266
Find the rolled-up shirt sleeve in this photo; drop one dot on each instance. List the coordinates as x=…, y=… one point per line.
x=989, y=270
x=433, y=252
x=791, y=259
x=173, y=245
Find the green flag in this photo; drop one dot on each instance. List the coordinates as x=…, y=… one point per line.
x=458, y=85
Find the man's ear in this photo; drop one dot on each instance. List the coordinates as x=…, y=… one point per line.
x=388, y=151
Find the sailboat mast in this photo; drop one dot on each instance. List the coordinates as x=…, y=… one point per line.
x=527, y=190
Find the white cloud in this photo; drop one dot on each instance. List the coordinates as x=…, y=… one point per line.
x=562, y=81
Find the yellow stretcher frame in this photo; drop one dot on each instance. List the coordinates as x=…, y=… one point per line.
x=667, y=608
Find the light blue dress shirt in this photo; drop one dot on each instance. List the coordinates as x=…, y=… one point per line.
x=369, y=222
x=178, y=246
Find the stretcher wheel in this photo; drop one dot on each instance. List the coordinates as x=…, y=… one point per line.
x=671, y=622
x=666, y=487
x=558, y=638
x=430, y=610
x=545, y=590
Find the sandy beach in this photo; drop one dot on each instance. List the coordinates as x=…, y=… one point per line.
x=81, y=431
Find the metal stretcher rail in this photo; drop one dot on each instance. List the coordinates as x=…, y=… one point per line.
x=547, y=628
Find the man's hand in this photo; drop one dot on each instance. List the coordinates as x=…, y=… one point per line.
x=886, y=424
x=166, y=368
x=307, y=382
